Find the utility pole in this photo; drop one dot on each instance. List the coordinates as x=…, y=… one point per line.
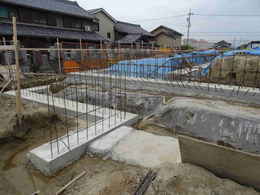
x=189, y=25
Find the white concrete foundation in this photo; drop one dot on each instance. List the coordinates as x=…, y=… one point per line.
x=147, y=150
x=30, y=94
x=55, y=155
x=103, y=145
x=49, y=162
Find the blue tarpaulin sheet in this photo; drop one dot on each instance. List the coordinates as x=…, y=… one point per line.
x=158, y=67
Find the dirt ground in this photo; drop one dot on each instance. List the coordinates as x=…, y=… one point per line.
x=18, y=177
x=33, y=80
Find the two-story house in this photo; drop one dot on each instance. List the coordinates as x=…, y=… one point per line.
x=167, y=37
x=118, y=32
x=128, y=34
x=41, y=22
x=106, y=23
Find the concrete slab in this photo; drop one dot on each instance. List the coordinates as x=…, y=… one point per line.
x=223, y=161
x=147, y=150
x=103, y=145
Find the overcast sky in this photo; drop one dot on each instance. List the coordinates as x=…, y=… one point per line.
x=147, y=12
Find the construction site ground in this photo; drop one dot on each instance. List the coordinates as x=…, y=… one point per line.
x=103, y=176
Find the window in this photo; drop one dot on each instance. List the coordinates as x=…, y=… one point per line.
x=71, y=22
x=26, y=15
x=52, y=20
x=109, y=35
x=3, y=12
x=39, y=18
x=87, y=28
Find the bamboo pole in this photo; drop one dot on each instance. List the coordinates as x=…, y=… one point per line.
x=70, y=183
x=81, y=51
x=18, y=76
x=101, y=46
x=59, y=56
x=8, y=61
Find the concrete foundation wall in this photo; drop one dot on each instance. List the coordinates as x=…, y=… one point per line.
x=215, y=121
x=192, y=89
x=224, y=162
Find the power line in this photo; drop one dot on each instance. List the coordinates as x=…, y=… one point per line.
x=160, y=18
x=221, y=35
x=226, y=32
x=229, y=15
x=213, y=15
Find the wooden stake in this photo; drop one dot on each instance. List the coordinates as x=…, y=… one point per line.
x=59, y=61
x=81, y=51
x=71, y=182
x=18, y=76
x=101, y=46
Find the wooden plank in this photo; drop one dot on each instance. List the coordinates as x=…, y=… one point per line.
x=70, y=183
x=18, y=76
x=225, y=162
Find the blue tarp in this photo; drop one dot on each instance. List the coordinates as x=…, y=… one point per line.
x=159, y=67
x=148, y=67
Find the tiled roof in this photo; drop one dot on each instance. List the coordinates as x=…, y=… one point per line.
x=168, y=31
x=129, y=28
x=94, y=11
x=61, y=6
x=131, y=38
x=33, y=31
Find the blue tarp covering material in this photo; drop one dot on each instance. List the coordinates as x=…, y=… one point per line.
x=159, y=67
x=148, y=67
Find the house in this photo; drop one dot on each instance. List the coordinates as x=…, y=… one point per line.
x=199, y=43
x=253, y=45
x=41, y=22
x=222, y=45
x=106, y=23
x=132, y=34
x=121, y=33
x=167, y=37
x=243, y=46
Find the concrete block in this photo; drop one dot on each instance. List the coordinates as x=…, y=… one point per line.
x=103, y=145
x=225, y=162
x=147, y=150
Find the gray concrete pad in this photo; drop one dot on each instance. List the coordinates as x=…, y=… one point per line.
x=147, y=150
x=103, y=145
